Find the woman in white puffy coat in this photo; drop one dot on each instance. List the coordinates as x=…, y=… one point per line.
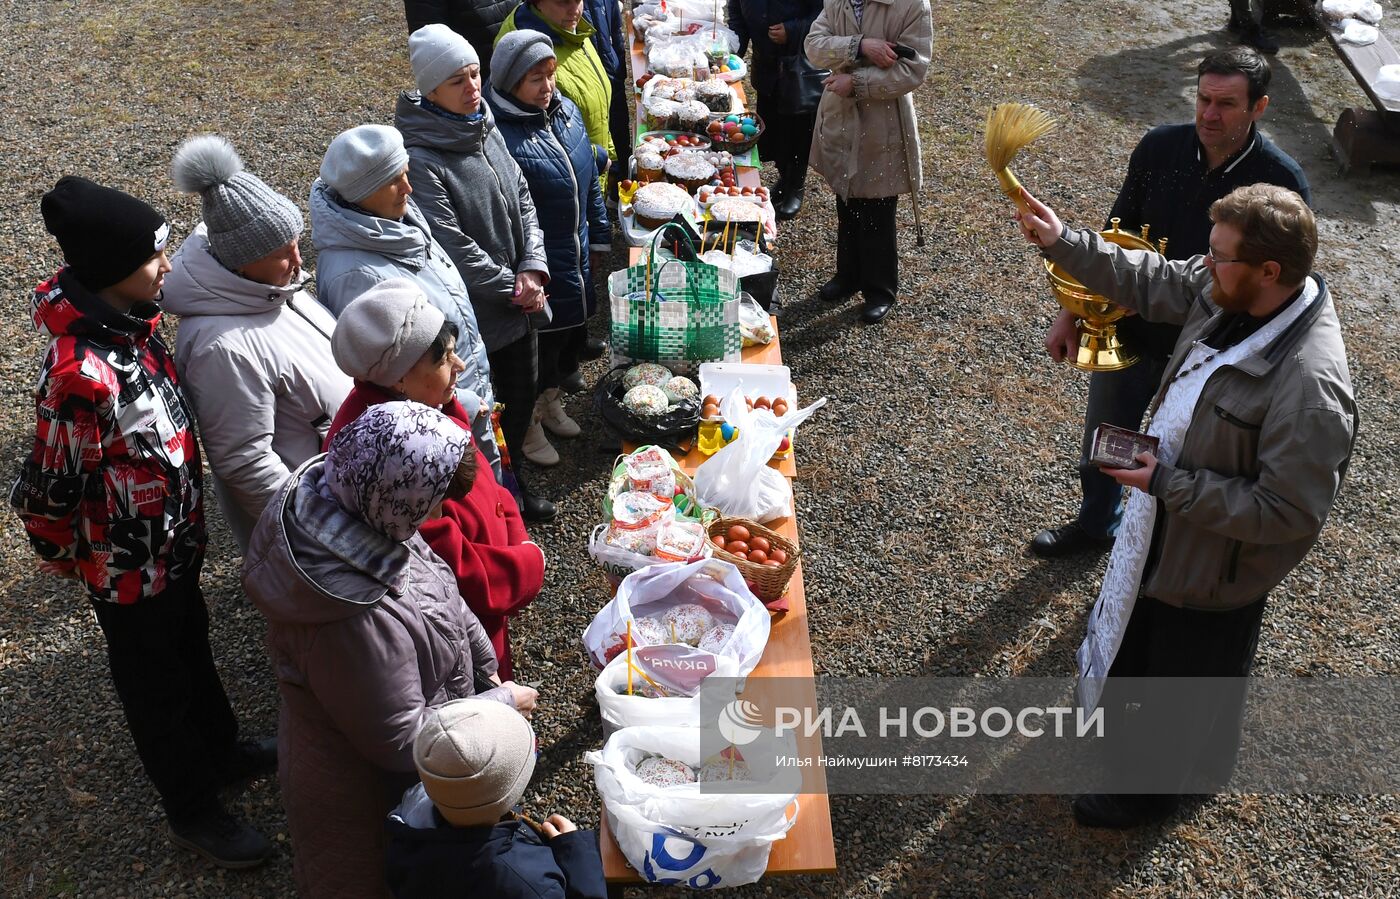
x=254, y=351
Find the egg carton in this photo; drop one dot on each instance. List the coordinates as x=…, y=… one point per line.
x=752, y=379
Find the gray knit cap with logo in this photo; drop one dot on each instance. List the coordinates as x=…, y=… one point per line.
x=247, y=220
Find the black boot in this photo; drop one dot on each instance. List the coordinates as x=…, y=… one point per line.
x=790, y=204
x=846, y=282
x=1252, y=34
x=834, y=291
x=593, y=348
x=249, y=759
x=536, y=508
x=878, y=251
x=789, y=201
x=780, y=188
x=573, y=383
x=221, y=838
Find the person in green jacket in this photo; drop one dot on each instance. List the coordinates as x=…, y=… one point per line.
x=580, y=76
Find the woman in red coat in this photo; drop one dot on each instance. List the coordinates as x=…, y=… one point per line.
x=397, y=345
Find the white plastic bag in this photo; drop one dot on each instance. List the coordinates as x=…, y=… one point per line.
x=675, y=59
x=716, y=585
x=754, y=327
x=680, y=835
x=745, y=260
x=615, y=560
x=1358, y=33
x=1387, y=85
x=1368, y=11
x=737, y=480
x=665, y=37
x=619, y=709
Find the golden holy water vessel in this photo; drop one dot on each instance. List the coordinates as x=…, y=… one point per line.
x=1010, y=127
x=1099, y=346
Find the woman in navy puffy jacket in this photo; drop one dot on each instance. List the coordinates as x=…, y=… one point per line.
x=545, y=133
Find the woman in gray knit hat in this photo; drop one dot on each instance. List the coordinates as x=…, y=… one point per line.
x=547, y=136
x=480, y=210
x=368, y=229
x=254, y=353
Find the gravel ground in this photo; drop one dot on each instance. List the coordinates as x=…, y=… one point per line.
x=917, y=536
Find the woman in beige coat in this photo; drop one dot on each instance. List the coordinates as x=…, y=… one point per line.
x=866, y=143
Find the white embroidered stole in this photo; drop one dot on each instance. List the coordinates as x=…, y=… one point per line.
x=1109, y=618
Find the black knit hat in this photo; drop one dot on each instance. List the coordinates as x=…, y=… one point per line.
x=105, y=234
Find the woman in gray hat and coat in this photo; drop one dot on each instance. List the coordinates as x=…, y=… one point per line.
x=367, y=229
x=547, y=136
x=478, y=204
x=367, y=633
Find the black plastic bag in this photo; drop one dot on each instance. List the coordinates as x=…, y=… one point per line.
x=676, y=424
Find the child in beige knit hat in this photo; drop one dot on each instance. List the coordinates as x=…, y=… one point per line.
x=458, y=831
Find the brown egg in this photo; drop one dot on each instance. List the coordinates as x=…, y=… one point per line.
x=780, y=406
x=762, y=403
x=778, y=555
x=710, y=400
x=758, y=556
x=760, y=543
x=710, y=410
x=737, y=547
x=718, y=540
x=738, y=532
x=773, y=564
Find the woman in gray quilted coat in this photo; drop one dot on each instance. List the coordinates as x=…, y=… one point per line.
x=367, y=632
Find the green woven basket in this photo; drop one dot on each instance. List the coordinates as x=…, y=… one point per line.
x=677, y=313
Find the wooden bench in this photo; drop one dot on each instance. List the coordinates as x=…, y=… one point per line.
x=1365, y=137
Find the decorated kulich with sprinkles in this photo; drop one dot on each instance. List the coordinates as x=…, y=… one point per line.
x=660, y=771
x=689, y=621
x=657, y=203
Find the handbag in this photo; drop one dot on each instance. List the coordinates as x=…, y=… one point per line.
x=798, y=86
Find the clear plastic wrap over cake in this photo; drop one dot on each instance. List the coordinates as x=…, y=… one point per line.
x=648, y=595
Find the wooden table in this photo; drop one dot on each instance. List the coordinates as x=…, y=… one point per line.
x=1364, y=137
x=809, y=847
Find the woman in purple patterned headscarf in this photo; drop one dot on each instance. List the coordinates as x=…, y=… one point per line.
x=367, y=632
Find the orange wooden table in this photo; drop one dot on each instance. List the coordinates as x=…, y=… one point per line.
x=809, y=847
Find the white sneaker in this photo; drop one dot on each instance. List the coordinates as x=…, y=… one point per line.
x=537, y=447
x=550, y=407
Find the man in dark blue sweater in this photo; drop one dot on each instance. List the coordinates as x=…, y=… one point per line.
x=1174, y=175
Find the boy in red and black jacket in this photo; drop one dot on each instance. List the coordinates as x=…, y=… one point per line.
x=111, y=496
